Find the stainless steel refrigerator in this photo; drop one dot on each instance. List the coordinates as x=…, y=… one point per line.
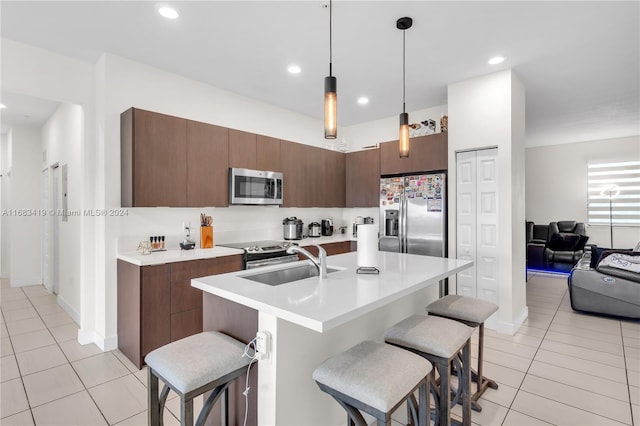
x=413, y=214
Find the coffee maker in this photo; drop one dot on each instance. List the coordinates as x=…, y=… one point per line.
x=327, y=227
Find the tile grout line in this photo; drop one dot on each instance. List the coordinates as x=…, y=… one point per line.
x=627, y=375
x=532, y=359
x=24, y=389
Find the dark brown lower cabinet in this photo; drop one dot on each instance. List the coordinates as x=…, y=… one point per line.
x=331, y=248
x=157, y=305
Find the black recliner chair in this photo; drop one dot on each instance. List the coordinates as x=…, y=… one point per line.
x=566, y=244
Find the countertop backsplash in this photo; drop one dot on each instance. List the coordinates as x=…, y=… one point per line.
x=230, y=225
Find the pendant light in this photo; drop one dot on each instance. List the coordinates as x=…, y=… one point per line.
x=330, y=95
x=404, y=24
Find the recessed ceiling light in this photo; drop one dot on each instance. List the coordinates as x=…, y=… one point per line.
x=168, y=12
x=2, y=106
x=496, y=60
x=294, y=69
x=363, y=100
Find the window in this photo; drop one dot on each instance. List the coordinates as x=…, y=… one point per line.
x=614, y=193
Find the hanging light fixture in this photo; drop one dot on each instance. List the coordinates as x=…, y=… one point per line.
x=330, y=95
x=404, y=24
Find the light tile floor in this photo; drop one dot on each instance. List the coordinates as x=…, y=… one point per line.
x=562, y=367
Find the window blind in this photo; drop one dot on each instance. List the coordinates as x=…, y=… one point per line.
x=614, y=193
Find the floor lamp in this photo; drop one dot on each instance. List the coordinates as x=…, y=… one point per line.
x=610, y=192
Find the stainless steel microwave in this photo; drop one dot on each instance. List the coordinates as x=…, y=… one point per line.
x=248, y=186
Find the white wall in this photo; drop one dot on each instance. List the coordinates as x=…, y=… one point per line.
x=24, y=224
x=487, y=112
x=386, y=129
x=556, y=184
x=62, y=139
x=5, y=171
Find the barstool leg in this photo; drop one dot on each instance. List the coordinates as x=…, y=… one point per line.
x=466, y=383
x=445, y=396
x=154, y=415
x=186, y=411
x=424, y=410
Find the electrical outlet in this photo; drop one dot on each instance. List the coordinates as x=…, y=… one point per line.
x=263, y=340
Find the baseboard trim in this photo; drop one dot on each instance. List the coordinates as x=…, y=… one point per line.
x=24, y=282
x=86, y=337
x=509, y=328
x=75, y=315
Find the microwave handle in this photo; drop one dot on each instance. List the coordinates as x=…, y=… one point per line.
x=275, y=188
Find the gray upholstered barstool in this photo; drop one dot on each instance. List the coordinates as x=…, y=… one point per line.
x=472, y=312
x=208, y=361
x=439, y=340
x=375, y=378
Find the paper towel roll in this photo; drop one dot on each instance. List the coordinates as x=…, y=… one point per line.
x=368, y=246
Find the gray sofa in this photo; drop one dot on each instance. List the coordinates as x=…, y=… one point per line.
x=604, y=289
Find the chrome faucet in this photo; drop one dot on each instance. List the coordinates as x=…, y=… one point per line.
x=320, y=262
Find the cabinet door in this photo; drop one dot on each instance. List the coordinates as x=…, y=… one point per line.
x=159, y=161
x=362, y=178
x=429, y=153
x=222, y=265
x=268, y=154
x=390, y=161
x=207, y=165
x=333, y=175
x=242, y=149
x=183, y=296
x=298, y=180
x=155, y=299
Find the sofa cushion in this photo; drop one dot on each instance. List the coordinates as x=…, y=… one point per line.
x=596, y=253
x=564, y=241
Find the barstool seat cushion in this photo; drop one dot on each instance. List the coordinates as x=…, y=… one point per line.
x=190, y=363
x=463, y=308
x=376, y=374
x=434, y=335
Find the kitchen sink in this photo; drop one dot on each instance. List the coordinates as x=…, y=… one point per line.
x=283, y=276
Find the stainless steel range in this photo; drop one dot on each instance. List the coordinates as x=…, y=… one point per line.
x=264, y=253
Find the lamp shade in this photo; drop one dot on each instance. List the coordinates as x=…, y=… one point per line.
x=330, y=108
x=404, y=135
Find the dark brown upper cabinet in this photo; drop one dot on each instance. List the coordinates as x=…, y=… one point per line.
x=427, y=153
x=153, y=159
x=268, y=154
x=207, y=165
x=390, y=161
x=242, y=149
x=362, y=178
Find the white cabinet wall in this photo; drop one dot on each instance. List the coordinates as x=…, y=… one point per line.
x=477, y=222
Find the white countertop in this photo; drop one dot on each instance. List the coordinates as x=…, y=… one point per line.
x=177, y=255
x=170, y=256
x=321, y=305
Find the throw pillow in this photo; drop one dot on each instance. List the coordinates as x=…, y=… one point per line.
x=609, y=252
x=581, y=243
x=561, y=241
x=637, y=247
x=595, y=255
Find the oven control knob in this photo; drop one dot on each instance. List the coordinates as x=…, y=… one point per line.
x=255, y=248
x=250, y=248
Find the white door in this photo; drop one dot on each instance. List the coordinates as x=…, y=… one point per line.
x=46, y=231
x=477, y=222
x=487, y=225
x=466, y=220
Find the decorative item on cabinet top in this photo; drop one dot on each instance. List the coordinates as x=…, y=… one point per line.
x=426, y=127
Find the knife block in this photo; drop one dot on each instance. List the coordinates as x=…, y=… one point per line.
x=206, y=237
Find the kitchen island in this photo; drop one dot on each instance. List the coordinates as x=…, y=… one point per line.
x=311, y=319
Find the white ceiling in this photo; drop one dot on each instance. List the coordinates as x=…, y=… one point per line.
x=579, y=61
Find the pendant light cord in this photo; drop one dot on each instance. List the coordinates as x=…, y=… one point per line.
x=403, y=72
x=330, y=41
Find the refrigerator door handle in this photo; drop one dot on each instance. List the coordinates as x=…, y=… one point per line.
x=404, y=224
